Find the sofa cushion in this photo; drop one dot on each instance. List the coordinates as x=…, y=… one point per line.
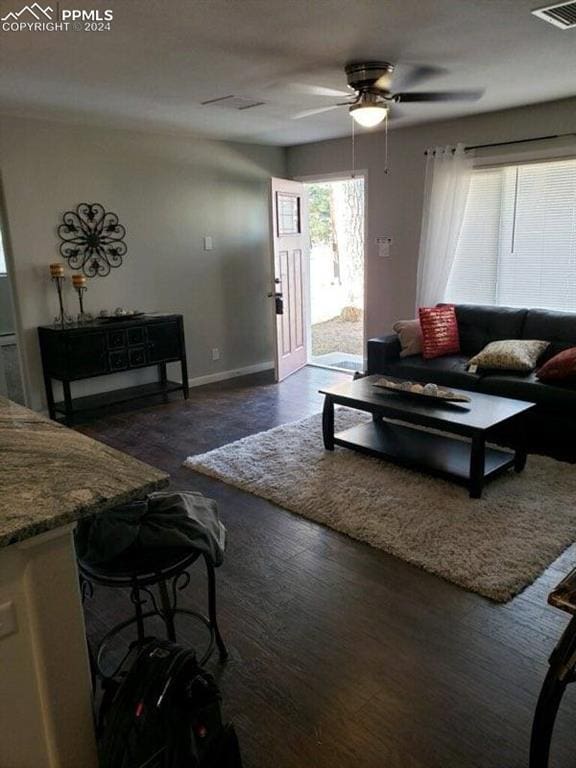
x=479, y=325
x=439, y=331
x=510, y=355
x=561, y=367
x=447, y=371
x=559, y=328
x=527, y=387
x=410, y=336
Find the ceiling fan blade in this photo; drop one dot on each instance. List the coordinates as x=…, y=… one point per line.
x=310, y=112
x=406, y=77
x=307, y=89
x=415, y=96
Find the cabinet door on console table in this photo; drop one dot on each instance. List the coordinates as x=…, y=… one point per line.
x=73, y=356
x=99, y=349
x=163, y=342
x=86, y=356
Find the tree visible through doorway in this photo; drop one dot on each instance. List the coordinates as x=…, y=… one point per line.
x=336, y=223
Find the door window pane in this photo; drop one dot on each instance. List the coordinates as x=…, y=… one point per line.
x=288, y=212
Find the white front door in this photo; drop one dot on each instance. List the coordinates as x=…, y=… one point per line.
x=290, y=273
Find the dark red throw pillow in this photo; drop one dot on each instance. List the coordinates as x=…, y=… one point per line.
x=561, y=367
x=439, y=331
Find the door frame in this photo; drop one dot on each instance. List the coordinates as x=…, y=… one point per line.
x=10, y=272
x=319, y=178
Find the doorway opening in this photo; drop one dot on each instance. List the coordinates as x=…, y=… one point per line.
x=10, y=377
x=336, y=229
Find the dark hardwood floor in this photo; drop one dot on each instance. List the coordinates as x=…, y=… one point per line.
x=341, y=655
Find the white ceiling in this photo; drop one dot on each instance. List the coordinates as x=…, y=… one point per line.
x=162, y=58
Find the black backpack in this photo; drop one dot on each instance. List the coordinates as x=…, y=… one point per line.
x=166, y=714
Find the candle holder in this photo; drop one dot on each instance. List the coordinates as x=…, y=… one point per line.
x=57, y=275
x=79, y=284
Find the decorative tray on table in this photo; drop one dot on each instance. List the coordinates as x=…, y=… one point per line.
x=119, y=318
x=421, y=391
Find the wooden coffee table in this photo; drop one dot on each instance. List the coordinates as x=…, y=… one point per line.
x=466, y=461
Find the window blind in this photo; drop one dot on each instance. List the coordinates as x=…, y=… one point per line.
x=517, y=245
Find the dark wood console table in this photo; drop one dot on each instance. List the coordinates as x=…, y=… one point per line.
x=101, y=348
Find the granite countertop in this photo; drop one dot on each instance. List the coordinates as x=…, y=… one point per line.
x=51, y=476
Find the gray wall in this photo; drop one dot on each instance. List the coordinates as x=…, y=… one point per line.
x=169, y=191
x=6, y=317
x=394, y=204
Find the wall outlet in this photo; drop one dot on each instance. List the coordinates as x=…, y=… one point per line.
x=8, y=624
x=208, y=245
x=215, y=354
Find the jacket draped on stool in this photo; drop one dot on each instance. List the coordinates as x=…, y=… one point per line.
x=163, y=520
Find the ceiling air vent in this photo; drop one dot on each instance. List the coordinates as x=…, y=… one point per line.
x=562, y=15
x=233, y=102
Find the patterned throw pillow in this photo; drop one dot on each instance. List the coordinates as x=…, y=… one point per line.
x=410, y=337
x=561, y=367
x=439, y=331
x=510, y=355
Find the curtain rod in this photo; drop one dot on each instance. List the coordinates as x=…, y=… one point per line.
x=508, y=143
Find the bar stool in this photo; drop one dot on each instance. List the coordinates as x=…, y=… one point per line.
x=561, y=673
x=141, y=570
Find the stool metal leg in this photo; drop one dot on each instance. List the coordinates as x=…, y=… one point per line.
x=223, y=651
x=137, y=601
x=167, y=610
x=161, y=602
x=561, y=673
x=86, y=589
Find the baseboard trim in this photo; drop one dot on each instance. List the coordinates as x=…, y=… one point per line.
x=211, y=378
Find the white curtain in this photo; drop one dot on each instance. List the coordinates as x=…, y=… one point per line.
x=448, y=173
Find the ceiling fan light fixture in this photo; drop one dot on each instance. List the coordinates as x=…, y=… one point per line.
x=368, y=115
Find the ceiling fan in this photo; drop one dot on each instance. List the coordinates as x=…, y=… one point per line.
x=371, y=83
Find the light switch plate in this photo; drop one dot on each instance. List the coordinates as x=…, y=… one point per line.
x=208, y=246
x=8, y=623
x=384, y=244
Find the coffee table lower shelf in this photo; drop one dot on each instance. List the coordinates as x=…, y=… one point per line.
x=414, y=448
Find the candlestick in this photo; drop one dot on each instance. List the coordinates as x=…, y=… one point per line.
x=59, y=280
x=79, y=283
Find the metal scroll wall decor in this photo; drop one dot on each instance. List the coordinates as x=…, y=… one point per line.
x=92, y=239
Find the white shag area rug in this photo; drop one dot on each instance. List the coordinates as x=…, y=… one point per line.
x=495, y=546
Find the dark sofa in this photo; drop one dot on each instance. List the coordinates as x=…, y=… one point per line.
x=550, y=427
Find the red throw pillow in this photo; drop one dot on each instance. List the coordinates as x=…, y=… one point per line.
x=560, y=367
x=439, y=331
